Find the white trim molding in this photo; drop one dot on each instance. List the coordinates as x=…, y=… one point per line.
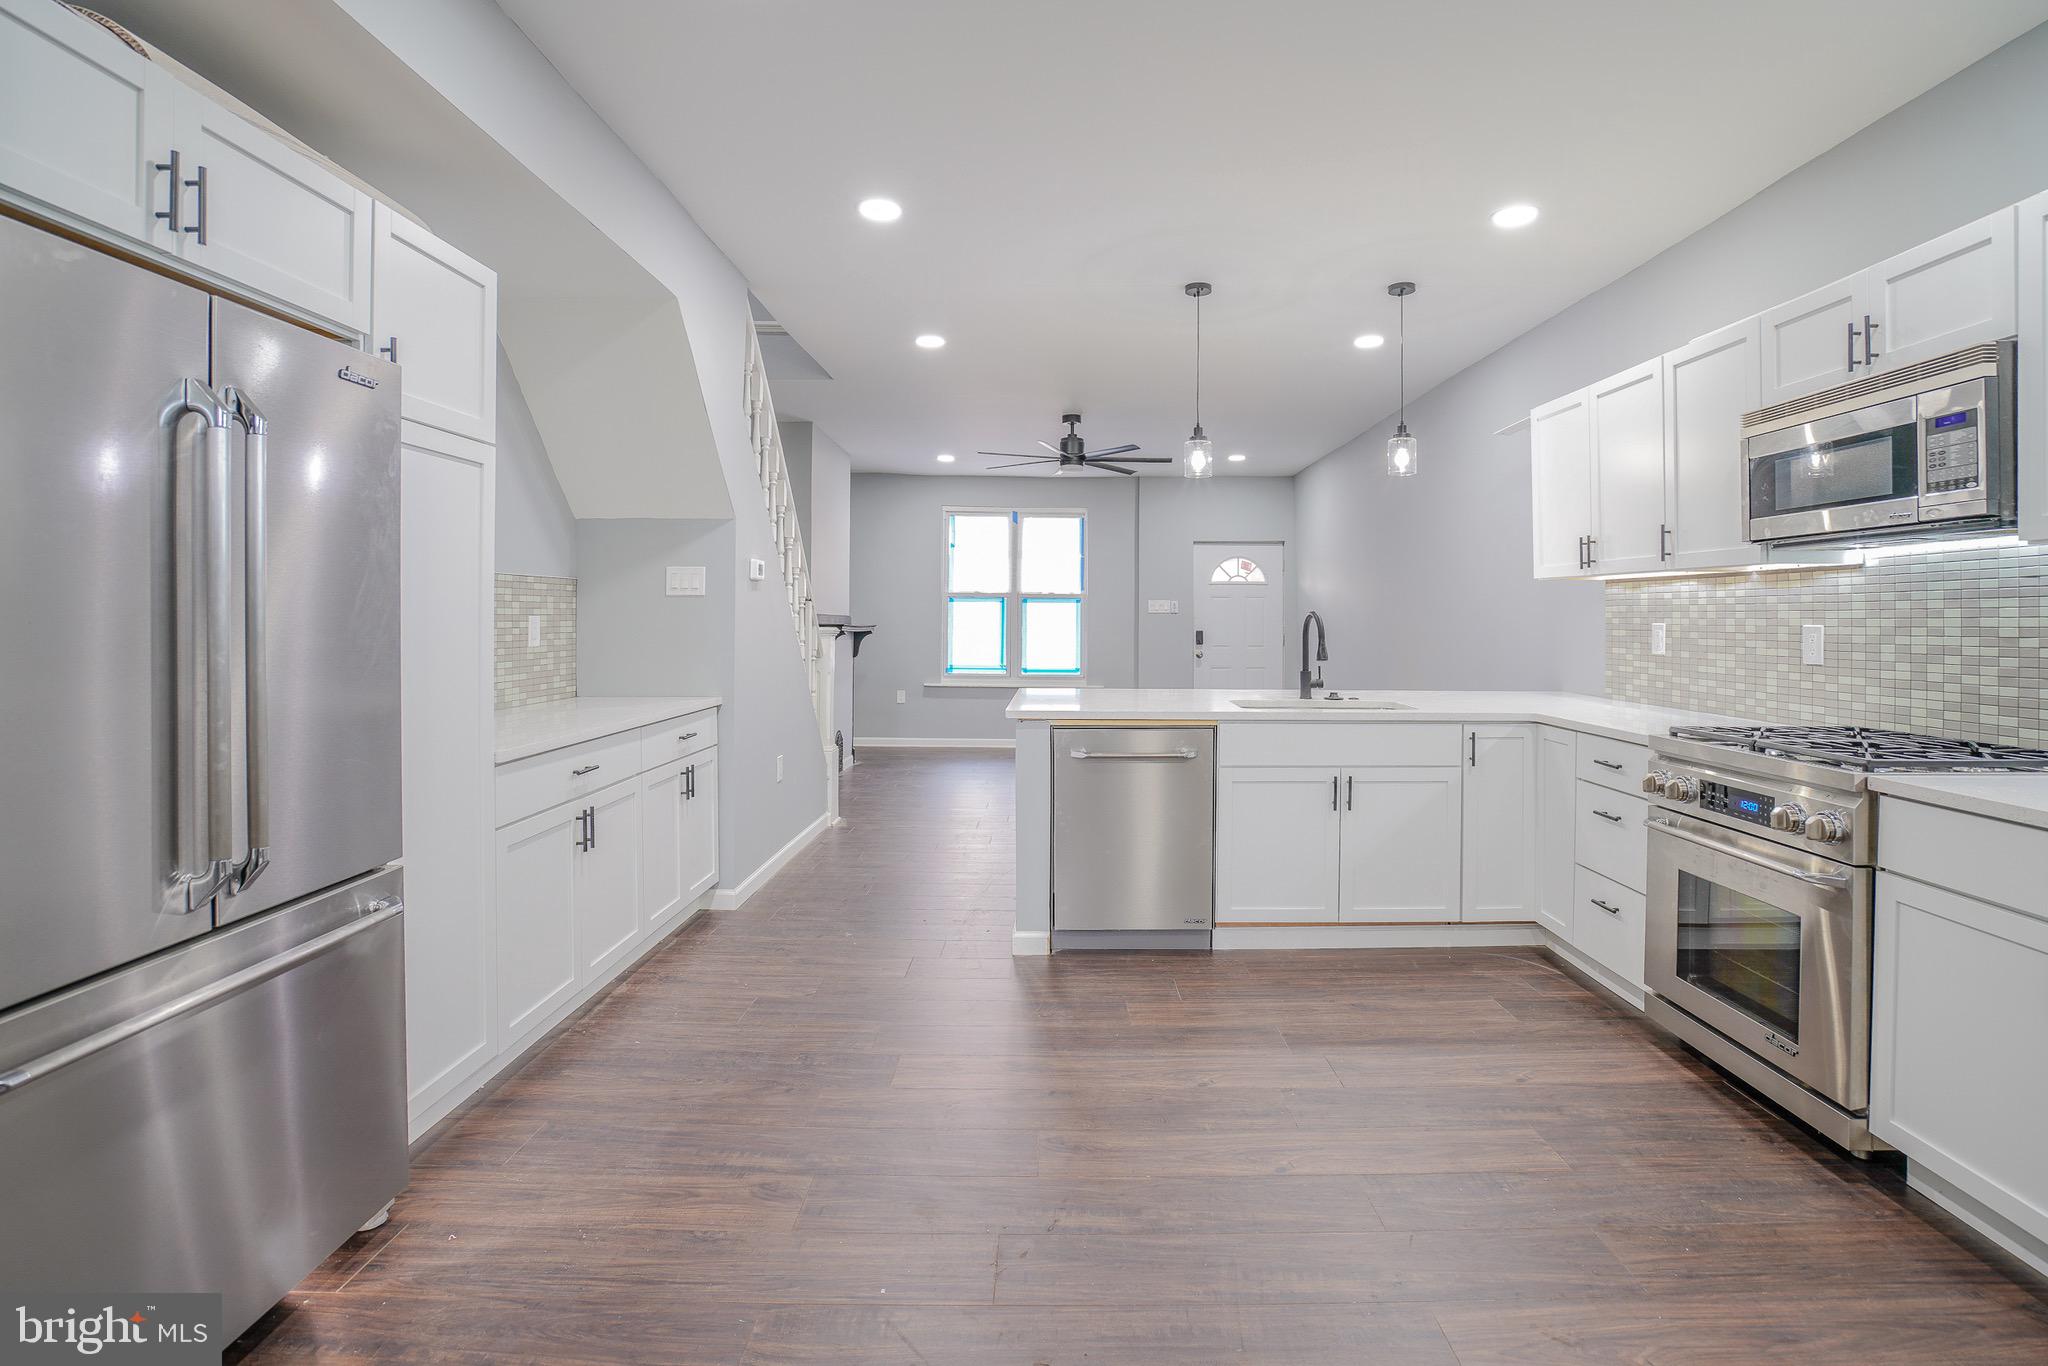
x=733, y=897
x=928, y=742
x=1030, y=943
x=1451, y=935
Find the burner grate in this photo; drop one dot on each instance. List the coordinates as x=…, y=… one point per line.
x=1869, y=750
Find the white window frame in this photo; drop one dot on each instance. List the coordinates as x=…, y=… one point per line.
x=1013, y=603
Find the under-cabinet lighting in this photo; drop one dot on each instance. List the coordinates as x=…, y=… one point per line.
x=1903, y=548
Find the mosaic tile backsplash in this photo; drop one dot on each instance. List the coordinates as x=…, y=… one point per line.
x=1946, y=644
x=529, y=673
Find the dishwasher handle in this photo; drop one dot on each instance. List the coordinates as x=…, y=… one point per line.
x=1185, y=752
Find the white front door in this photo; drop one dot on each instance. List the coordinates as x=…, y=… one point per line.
x=1237, y=595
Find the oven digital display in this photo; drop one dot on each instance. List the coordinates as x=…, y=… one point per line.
x=1947, y=420
x=1754, y=807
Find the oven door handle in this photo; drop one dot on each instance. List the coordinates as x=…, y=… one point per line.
x=1832, y=881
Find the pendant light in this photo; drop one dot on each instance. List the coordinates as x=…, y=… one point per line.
x=1401, y=446
x=1198, y=457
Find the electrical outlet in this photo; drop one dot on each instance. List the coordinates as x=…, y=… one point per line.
x=533, y=633
x=900, y=698
x=778, y=768
x=1162, y=607
x=1659, y=639
x=1813, y=644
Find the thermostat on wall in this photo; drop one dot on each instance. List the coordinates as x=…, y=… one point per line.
x=757, y=569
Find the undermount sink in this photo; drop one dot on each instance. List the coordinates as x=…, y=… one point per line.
x=1320, y=702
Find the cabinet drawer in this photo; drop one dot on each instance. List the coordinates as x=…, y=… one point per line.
x=1607, y=925
x=544, y=780
x=1992, y=860
x=677, y=739
x=1613, y=763
x=1334, y=744
x=1610, y=836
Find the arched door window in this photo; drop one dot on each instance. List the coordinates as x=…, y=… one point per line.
x=1237, y=569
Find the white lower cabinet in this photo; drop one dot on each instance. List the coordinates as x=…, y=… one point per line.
x=1607, y=924
x=1399, y=860
x=536, y=930
x=1276, y=846
x=1499, y=798
x=1556, y=822
x=679, y=837
x=1959, y=1008
x=700, y=828
x=608, y=879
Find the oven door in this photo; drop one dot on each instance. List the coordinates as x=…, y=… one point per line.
x=1852, y=472
x=1768, y=946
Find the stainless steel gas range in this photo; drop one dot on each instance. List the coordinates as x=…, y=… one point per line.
x=1763, y=850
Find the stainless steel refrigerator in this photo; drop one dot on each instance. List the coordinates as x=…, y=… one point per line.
x=202, y=1060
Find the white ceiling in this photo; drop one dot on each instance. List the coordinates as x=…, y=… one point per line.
x=1066, y=165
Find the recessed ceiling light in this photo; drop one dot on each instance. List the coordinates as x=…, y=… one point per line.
x=931, y=341
x=1370, y=341
x=1514, y=216
x=880, y=210
x=944, y=459
x=1236, y=456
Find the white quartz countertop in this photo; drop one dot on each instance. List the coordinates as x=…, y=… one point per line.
x=1574, y=711
x=2018, y=797
x=536, y=729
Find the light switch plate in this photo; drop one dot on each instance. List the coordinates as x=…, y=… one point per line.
x=757, y=569
x=1813, y=644
x=899, y=697
x=1659, y=639
x=685, y=581
x=533, y=633
x=1162, y=607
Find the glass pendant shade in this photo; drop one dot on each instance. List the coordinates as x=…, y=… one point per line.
x=1198, y=459
x=1401, y=453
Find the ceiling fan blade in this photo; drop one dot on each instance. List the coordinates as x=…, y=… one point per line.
x=1144, y=459
x=1105, y=465
x=1113, y=450
x=1017, y=455
x=1049, y=446
x=1020, y=465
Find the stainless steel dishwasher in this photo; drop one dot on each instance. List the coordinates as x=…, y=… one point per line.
x=1133, y=836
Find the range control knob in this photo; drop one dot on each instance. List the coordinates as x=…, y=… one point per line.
x=1654, y=780
x=1679, y=788
x=1828, y=827
x=1790, y=817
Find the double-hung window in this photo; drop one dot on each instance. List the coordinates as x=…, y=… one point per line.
x=1016, y=584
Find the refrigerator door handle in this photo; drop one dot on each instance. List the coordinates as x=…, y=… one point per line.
x=255, y=654
x=206, y=836
x=57, y=1059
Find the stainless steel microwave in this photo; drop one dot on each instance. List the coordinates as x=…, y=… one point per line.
x=1923, y=450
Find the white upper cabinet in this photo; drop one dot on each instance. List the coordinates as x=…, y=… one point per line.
x=435, y=312
x=1561, y=468
x=272, y=218
x=2032, y=233
x=1951, y=292
x=1955, y=291
x=1628, y=470
x=1708, y=385
x=84, y=121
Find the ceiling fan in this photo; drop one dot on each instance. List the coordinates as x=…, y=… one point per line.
x=1072, y=455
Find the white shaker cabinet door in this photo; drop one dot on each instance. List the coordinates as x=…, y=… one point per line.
x=1276, y=846
x=1556, y=827
x=608, y=881
x=1401, y=845
x=663, y=814
x=84, y=121
x=2032, y=323
x=1959, y=1006
x=1709, y=384
x=1499, y=823
x=274, y=219
x=434, y=311
x=1561, y=476
x=536, y=931
x=700, y=827
x=1954, y=291
x=1628, y=470
x=1809, y=342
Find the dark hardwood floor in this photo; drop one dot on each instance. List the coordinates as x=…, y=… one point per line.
x=844, y=1125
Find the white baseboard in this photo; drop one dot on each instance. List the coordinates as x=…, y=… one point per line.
x=929, y=742
x=2020, y=1242
x=1030, y=943
x=1446, y=936
x=1625, y=992
x=733, y=897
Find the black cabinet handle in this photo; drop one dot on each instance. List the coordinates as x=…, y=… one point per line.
x=1869, y=335
x=1347, y=791
x=1608, y=816
x=1611, y=910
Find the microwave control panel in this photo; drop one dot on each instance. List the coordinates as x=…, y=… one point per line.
x=1950, y=443
x=1754, y=807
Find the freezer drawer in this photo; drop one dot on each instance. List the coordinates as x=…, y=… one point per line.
x=219, y=1118
x=1134, y=828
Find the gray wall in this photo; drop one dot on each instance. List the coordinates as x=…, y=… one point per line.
x=1433, y=572
x=536, y=530
x=633, y=640
x=1140, y=534
x=829, y=537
